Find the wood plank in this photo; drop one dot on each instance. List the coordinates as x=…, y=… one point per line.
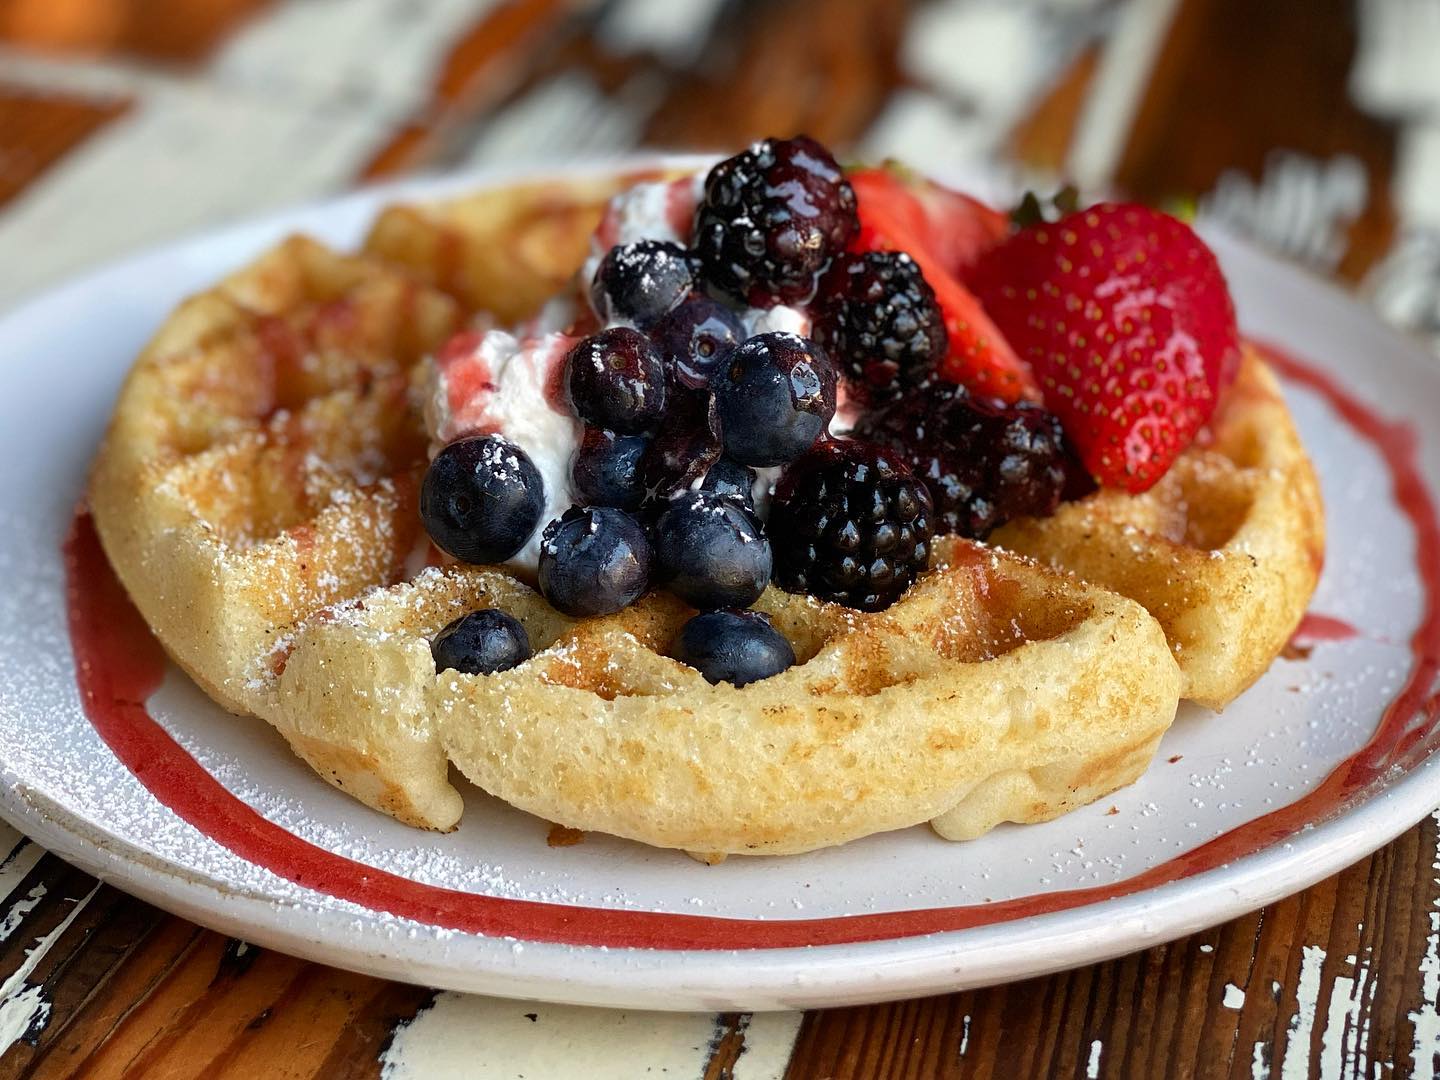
x=1223, y=97
x=485, y=64
x=1330, y=980
x=42, y=128
x=184, y=31
x=832, y=88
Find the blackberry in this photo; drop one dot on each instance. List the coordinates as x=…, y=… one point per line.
x=983, y=462
x=850, y=523
x=770, y=220
x=878, y=317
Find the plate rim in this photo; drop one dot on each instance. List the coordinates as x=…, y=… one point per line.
x=754, y=979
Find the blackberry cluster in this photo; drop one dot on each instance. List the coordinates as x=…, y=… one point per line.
x=877, y=316
x=850, y=523
x=984, y=463
x=771, y=219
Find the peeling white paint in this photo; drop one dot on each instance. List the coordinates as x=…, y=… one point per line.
x=1234, y=997
x=465, y=1035
x=22, y=1006
x=1260, y=1061
x=1295, y=1065
x=18, y=910
x=1427, y=1017
x=23, y=856
x=1092, y=1067
x=964, y=1034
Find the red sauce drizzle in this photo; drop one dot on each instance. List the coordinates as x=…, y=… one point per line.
x=1314, y=627
x=680, y=207
x=119, y=664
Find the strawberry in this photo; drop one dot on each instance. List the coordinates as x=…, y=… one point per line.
x=1124, y=317
x=895, y=217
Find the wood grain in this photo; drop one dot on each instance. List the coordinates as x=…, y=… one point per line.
x=172, y=31
x=1164, y=1012
x=38, y=129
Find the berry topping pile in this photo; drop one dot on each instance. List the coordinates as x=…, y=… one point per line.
x=822, y=374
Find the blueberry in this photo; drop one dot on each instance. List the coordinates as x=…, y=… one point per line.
x=775, y=394
x=642, y=281
x=617, y=381
x=481, y=643
x=695, y=337
x=729, y=478
x=594, y=560
x=737, y=647
x=606, y=470
x=711, y=552
x=481, y=499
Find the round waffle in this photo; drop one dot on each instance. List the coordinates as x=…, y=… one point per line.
x=256, y=494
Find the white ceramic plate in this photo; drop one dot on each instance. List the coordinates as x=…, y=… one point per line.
x=248, y=841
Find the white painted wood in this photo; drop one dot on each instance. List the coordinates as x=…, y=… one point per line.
x=480, y=1038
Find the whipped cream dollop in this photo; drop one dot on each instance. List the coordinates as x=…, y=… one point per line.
x=511, y=382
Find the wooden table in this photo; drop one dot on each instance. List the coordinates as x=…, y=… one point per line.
x=123, y=122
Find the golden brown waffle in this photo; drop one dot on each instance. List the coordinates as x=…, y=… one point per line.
x=993, y=691
x=1225, y=551
x=256, y=495
x=504, y=251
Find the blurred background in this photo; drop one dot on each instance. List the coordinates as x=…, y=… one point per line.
x=1311, y=125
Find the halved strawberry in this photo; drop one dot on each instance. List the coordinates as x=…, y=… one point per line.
x=893, y=218
x=1125, y=318
x=954, y=227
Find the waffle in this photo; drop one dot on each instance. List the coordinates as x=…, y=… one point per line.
x=256, y=495
x=1224, y=551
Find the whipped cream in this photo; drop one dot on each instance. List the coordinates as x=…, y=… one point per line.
x=493, y=382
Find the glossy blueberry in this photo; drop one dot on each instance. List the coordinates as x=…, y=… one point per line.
x=737, y=647
x=729, y=478
x=594, y=560
x=775, y=394
x=616, y=381
x=695, y=338
x=481, y=499
x=481, y=643
x=642, y=281
x=711, y=552
x=606, y=470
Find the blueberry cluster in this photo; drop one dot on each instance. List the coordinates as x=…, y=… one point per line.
x=680, y=407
